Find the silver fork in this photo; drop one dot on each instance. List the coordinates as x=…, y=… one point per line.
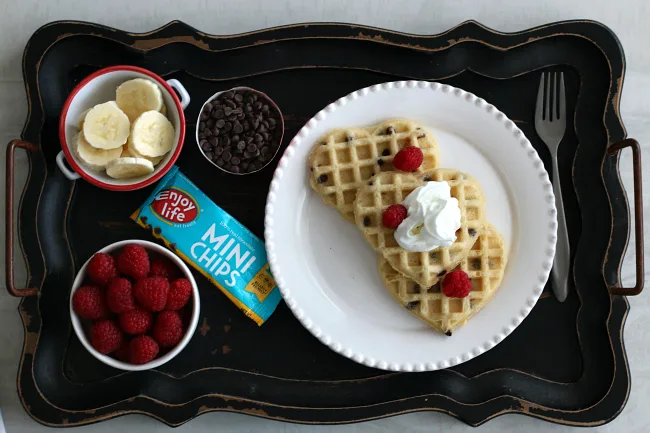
x=551, y=125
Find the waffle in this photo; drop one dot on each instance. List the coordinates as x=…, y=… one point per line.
x=344, y=159
x=426, y=268
x=485, y=266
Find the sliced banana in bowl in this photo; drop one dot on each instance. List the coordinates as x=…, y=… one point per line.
x=129, y=167
x=91, y=157
x=152, y=134
x=136, y=96
x=105, y=126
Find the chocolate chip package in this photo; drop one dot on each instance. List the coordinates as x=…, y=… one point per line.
x=213, y=242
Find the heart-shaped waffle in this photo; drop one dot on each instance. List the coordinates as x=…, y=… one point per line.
x=485, y=265
x=388, y=188
x=345, y=159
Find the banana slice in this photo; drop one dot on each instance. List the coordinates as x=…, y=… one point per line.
x=92, y=158
x=82, y=119
x=123, y=168
x=106, y=126
x=152, y=134
x=133, y=152
x=134, y=97
x=125, y=152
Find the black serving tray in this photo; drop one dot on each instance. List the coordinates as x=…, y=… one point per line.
x=565, y=363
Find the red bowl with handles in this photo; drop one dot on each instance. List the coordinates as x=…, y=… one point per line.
x=98, y=88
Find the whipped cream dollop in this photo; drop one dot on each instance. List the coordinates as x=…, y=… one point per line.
x=433, y=218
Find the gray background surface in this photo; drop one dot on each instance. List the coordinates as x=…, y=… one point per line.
x=628, y=18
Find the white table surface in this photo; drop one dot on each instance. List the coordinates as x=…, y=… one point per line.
x=628, y=18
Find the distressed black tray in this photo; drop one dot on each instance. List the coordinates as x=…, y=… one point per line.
x=565, y=363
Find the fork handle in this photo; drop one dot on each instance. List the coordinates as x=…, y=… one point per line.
x=562, y=260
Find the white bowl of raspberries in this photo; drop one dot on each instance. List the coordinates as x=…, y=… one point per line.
x=134, y=305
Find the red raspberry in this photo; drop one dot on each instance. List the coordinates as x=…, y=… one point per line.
x=151, y=293
x=162, y=267
x=456, y=284
x=394, y=215
x=179, y=293
x=122, y=354
x=89, y=303
x=136, y=321
x=408, y=159
x=168, y=329
x=119, y=296
x=105, y=336
x=101, y=269
x=133, y=261
x=143, y=349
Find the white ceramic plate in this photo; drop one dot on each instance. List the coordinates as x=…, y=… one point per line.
x=327, y=272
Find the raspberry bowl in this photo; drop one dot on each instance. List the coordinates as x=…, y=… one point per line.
x=134, y=305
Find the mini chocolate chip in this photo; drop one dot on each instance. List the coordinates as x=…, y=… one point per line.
x=207, y=133
x=144, y=219
x=322, y=178
x=390, y=130
x=235, y=160
x=201, y=126
x=227, y=127
x=209, y=155
x=261, y=129
x=221, y=123
x=231, y=104
x=323, y=143
x=226, y=156
x=148, y=227
x=257, y=105
x=366, y=221
x=265, y=109
x=234, y=169
x=218, y=114
x=220, y=162
x=441, y=274
x=218, y=150
x=239, y=97
x=258, y=138
x=385, y=152
x=172, y=247
x=204, y=116
x=264, y=150
x=228, y=95
x=370, y=182
x=241, y=145
x=350, y=137
x=427, y=178
x=422, y=135
x=157, y=230
x=380, y=162
x=448, y=333
x=244, y=165
x=476, y=263
x=412, y=305
x=471, y=232
x=215, y=131
x=238, y=128
x=227, y=111
x=251, y=147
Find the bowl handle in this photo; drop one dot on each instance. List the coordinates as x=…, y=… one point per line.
x=60, y=161
x=638, y=216
x=9, y=218
x=185, y=97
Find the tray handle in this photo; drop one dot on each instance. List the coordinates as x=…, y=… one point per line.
x=9, y=218
x=638, y=216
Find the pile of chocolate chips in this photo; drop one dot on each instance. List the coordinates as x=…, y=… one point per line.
x=240, y=130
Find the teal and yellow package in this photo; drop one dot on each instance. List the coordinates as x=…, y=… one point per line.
x=213, y=242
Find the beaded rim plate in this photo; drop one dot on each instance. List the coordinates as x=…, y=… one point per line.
x=328, y=274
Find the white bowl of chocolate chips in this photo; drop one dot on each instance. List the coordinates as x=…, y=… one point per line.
x=239, y=130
